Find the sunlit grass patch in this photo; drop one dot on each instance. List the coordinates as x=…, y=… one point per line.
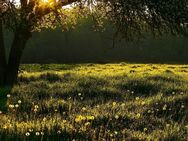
x=98, y=102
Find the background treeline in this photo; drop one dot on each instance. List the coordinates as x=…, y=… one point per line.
x=84, y=45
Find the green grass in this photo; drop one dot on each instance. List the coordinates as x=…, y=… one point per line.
x=144, y=102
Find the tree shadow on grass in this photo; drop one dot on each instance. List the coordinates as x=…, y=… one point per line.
x=53, y=136
x=174, y=110
x=139, y=87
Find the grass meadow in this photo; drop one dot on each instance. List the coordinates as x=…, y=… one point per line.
x=100, y=102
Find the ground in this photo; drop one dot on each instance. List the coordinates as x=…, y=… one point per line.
x=98, y=102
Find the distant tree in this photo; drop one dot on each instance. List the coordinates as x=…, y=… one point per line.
x=131, y=18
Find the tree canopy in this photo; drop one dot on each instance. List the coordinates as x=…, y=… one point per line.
x=131, y=19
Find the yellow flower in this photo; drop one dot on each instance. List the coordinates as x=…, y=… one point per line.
x=138, y=115
x=137, y=98
x=116, y=116
x=143, y=103
x=87, y=123
x=114, y=103
x=145, y=129
x=84, y=108
x=90, y=117
x=80, y=118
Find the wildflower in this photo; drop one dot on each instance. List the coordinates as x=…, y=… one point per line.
x=137, y=98
x=42, y=133
x=173, y=93
x=87, y=123
x=164, y=107
x=128, y=91
x=145, y=129
x=56, y=110
x=79, y=94
x=16, y=105
x=182, y=106
x=80, y=118
x=5, y=127
x=35, y=110
x=36, y=106
x=58, y=132
x=132, y=92
x=44, y=119
x=19, y=101
x=181, y=93
x=8, y=95
x=149, y=111
x=138, y=115
x=123, y=104
x=0, y=112
x=115, y=132
x=143, y=103
x=27, y=134
x=81, y=98
x=167, y=125
x=11, y=106
x=114, y=103
x=84, y=108
x=116, y=116
x=30, y=130
x=90, y=117
x=37, y=133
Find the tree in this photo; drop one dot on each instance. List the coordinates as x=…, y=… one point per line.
x=132, y=18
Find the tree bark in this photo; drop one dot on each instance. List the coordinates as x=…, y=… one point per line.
x=2, y=55
x=20, y=39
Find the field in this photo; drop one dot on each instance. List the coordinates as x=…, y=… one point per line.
x=101, y=102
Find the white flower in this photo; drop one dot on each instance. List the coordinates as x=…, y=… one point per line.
x=19, y=101
x=8, y=95
x=37, y=133
x=27, y=134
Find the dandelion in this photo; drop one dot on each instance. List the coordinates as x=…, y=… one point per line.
x=143, y=103
x=90, y=117
x=182, y=106
x=37, y=133
x=87, y=123
x=123, y=104
x=132, y=92
x=19, y=101
x=8, y=95
x=116, y=116
x=44, y=119
x=11, y=106
x=115, y=132
x=149, y=111
x=164, y=107
x=138, y=115
x=114, y=103
x=27, y=134
x=36, y=106
x=137, y=98
x=35, y=110
x=84, y=108
x=145, y=129
x=16, y=105
x=30, y=130
x=58, y=132
x=79, y=94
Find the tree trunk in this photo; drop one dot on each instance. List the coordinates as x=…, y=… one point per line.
x=20, y=39
x=2, y=55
